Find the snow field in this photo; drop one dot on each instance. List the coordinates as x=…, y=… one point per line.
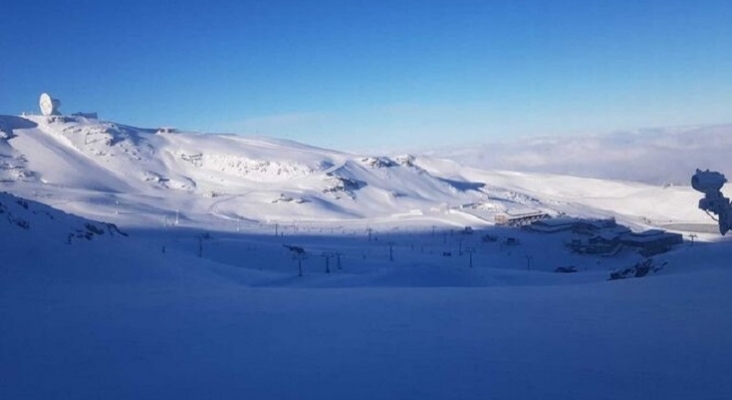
x=203, y=300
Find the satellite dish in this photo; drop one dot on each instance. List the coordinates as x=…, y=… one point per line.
x=49, y=106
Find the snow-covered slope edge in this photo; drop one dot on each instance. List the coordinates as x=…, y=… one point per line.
x=27, y=223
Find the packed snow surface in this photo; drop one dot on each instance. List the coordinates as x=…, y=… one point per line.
x=239, y=267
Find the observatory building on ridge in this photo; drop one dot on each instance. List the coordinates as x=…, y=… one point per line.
x=50, y=108
x=49, y=105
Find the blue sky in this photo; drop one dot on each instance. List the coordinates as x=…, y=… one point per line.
x=374, y=74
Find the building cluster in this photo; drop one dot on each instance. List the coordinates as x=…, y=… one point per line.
x=519, y=217
x=606, y=237
x=594, y=236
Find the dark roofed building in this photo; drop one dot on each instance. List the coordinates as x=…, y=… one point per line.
x=650, y=242
x=551, y=225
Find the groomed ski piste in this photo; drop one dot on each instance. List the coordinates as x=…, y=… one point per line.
x=167, y=265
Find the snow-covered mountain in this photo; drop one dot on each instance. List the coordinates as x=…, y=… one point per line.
x=227, y=175
x=134, y=176
x=178, y=302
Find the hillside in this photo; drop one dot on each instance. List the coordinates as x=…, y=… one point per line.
x=138, y=177
x=259, y=268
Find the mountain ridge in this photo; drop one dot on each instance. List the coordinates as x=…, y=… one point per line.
x=139, y=176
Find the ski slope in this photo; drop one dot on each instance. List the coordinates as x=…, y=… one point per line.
x=194, y=292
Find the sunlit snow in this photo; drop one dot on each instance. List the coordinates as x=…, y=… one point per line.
x=154, y=265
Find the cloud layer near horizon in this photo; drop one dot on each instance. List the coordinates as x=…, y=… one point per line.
x=658, y=156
